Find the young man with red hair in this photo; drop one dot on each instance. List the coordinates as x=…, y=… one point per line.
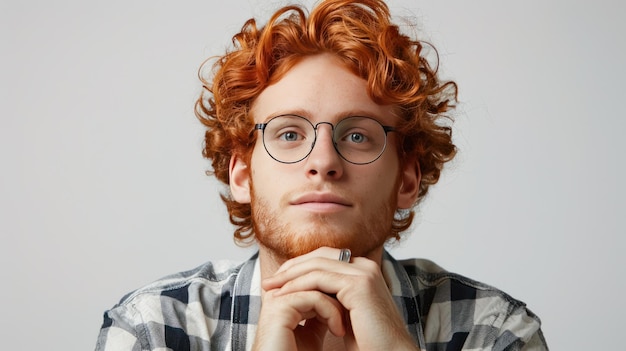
x=328, y=128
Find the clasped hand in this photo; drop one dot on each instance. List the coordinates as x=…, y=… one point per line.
x=315, y=294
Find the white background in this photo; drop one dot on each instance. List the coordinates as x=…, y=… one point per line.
x=102, y=187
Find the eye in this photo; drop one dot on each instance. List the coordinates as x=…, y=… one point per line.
x=357, y=138
x=290, y=136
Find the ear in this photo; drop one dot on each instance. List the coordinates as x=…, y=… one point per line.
x=239, y=179
x=409, y=188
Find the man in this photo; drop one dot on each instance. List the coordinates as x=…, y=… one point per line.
x=328, y=130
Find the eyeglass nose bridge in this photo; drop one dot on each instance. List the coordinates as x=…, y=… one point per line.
x=332, y=126
x=332, y=138
x=332, y=131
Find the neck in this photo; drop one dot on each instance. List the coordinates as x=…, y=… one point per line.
x=269, y=262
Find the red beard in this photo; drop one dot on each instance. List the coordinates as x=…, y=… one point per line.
x=284, y=241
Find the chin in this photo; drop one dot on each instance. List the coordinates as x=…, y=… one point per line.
x=299, y=241
x=294, y=234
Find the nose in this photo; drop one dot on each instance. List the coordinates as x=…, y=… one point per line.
x=324, y=159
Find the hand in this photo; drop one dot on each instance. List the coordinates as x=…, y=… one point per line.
x=280, y=323
x=301, y=289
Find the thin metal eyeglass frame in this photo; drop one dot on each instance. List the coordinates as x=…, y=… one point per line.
x=262, y=126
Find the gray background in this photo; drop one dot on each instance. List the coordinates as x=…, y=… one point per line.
x=102, y=179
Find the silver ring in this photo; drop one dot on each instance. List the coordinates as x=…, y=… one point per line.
x=344, y=255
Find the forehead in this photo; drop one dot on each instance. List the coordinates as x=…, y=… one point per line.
x=319, y=88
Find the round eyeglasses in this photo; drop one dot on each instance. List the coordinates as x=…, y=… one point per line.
x=291, y=138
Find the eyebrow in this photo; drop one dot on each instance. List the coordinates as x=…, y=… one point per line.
x=338, y=116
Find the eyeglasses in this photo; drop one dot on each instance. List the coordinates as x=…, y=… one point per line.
x=291, y=138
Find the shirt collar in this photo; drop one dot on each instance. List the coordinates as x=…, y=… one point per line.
x=404, y=295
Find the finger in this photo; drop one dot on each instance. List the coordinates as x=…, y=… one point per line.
x=326, y=282
x=304, y=305
x=359, y=266
x=326, y=252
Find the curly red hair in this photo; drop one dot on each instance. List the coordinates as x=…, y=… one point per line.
x=362, y=35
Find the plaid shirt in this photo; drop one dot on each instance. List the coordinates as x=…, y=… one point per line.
x=216, y=307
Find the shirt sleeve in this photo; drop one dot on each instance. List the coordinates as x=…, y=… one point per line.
x=118, y=332
x=520, y=330
x=536, y=343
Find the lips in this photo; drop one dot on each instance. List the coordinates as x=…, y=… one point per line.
x=320, y=200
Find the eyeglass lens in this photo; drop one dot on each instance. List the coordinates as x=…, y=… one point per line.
x=290, y=138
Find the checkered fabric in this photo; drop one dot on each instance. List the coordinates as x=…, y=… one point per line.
x=216, y=307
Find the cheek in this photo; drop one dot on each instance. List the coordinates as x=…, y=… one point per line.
x=268, y=176
x=260, y=164
x=386, y=182
x=375, y=187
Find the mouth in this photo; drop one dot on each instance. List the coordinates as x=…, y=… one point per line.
x=321, y=202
